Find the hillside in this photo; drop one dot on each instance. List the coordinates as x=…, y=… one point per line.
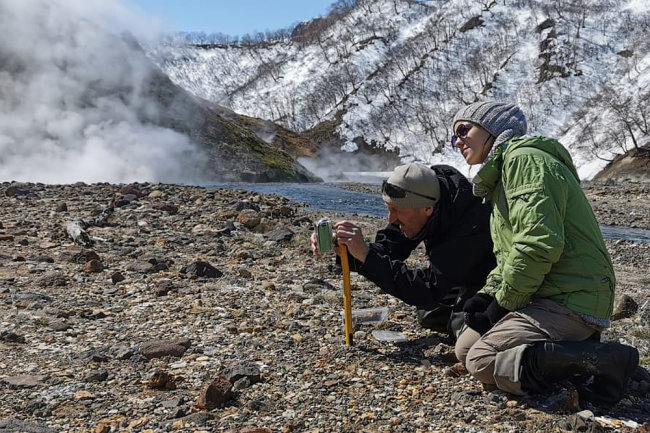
x=634, y=166
x=234, y=144
x=391, y=73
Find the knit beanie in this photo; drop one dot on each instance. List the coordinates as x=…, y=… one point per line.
x=414, y=177
x=500, y=119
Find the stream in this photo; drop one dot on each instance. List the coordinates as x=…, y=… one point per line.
x=327, y=197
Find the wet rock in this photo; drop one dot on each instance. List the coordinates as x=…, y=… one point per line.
x=117, y=277
x=17, y=426
x=249, y=218
x=132, y=190
x=215, y=394
x=43, y=259
x=24, y=381
x=161, y=379
x=202, y=269
x=167, y=347
x=126, y=200
x=246, y=204
x=99, y=375
x=93, y=266
x=166, y=207
x=31, y=300
x=92, y=355
x=163, y=286
x=243, y=370
x=122, y=352
x=624, y=307
x=141, y=267
x=11, y=337
x=579, y=423
x=59, y=325
x=199, y=419
x=17, y=190
x=278, y=235
x=255, y=429
x=52, y=279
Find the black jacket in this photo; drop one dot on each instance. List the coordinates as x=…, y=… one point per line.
x=457, y=241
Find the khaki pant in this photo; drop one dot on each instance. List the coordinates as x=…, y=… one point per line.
x=495, y=357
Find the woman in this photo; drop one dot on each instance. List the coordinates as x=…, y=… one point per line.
x=538, y=318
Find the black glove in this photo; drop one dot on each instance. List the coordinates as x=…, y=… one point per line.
x=477, y=303
x=481, y=322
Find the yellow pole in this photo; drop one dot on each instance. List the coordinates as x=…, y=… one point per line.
x=347, y=296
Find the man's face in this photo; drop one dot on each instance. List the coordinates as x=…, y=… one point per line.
x=409, y=220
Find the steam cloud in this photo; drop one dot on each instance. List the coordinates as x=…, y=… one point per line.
x=337, y=166
x=72, y=98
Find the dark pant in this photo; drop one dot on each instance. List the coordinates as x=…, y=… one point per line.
x=447, y=316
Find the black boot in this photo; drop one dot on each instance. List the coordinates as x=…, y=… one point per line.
x=611, y=365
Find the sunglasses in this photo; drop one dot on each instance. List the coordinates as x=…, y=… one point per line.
x=394, y=191
x=461, y=132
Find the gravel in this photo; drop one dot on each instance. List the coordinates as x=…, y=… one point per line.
x=190, y=309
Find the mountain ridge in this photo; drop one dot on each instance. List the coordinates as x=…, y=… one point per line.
x=391, y=73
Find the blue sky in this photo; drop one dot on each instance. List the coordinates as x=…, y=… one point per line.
x=232, y=17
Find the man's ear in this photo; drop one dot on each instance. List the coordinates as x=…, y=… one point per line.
x=428, y=210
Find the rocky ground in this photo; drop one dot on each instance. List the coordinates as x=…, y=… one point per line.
x=166, y=308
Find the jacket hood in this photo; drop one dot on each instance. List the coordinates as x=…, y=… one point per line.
x=548, y=145
x=490, y=173
x=453, y=204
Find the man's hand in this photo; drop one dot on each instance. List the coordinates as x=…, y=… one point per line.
x=314, y=245
x=350, y=235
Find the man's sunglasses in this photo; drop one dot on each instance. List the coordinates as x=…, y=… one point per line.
x=461, y=132
x=394, y=191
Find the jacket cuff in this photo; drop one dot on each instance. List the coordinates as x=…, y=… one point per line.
x=371, y=262
x=510, y=299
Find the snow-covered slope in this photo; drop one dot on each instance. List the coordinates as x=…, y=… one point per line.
x=395, y=71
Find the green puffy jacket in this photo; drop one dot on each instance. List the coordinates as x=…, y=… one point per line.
x=546, y=238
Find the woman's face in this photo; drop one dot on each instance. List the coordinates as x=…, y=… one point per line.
x=473, y=141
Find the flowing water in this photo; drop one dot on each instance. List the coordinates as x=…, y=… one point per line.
x=330, y=198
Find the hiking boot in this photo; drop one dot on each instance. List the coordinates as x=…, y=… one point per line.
x=609, y=364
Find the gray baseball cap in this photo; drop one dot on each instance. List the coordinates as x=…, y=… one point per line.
x=412, y=185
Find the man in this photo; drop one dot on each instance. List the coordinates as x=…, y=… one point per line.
x=538, y=319
x=434, y=205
